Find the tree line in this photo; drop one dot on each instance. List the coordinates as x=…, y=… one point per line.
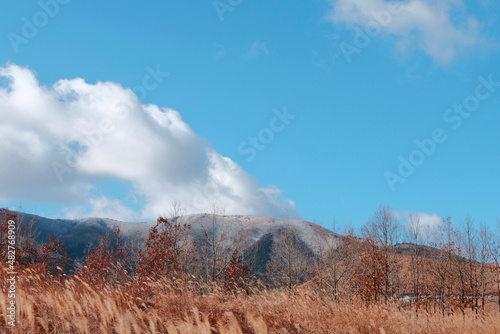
x=446, y=268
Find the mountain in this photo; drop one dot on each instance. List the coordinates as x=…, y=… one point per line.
x=78, y=234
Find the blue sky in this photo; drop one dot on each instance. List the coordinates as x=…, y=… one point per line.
x=232, y=70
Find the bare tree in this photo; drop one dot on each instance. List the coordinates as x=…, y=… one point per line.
x=321, y=261
x=493, y=245
x=352, y=252
x=332, y=262
x=414, y=235
x=177, y=209
x=291, y=260
x=384, y=229
x=186, y=257
x=485, y=257
x=442, y=271
x=470, y=255
x=215, y=246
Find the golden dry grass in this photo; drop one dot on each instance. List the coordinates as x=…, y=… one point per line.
x=75, y=307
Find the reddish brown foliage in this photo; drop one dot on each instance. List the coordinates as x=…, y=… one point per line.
x=107, y=262
x=54, y=256
x=370, y=276
x=234, y=273
x=164, y=250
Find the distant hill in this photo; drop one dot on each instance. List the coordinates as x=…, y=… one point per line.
x=79, y=233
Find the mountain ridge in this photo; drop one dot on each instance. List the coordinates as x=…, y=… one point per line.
x=77, y=234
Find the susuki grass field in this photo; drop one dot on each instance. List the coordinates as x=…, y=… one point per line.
x=72, y=306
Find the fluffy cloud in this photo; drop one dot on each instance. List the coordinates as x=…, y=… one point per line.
x=60, y=143
x=428, y=223
x=441, y=29
x=431, y=220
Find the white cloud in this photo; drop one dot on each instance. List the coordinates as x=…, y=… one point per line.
x=101, y=207
x=441, y=29
x=427, y=221
x=59, y=143
x=257, y=49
